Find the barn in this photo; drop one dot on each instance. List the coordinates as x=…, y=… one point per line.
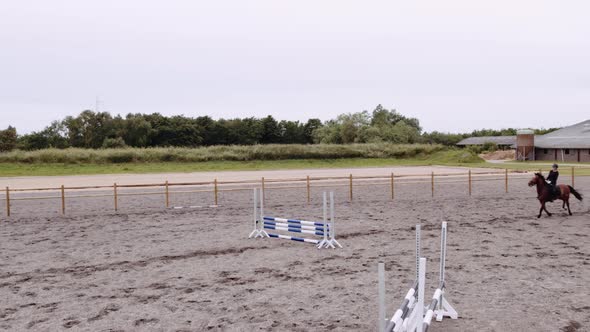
x=569, y=144
x=503, y=142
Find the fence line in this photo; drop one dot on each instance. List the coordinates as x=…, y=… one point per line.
x=307, y=183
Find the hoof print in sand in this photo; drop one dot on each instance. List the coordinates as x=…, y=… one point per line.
x=105, y=312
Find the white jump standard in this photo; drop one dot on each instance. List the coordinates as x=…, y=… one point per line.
x=324, y=229
x=413, y=316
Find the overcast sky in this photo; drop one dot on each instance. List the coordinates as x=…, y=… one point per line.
x=455, y=65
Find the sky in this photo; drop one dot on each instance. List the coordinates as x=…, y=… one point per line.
x=456, y=65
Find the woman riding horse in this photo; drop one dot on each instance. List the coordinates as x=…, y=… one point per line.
x=546, y=194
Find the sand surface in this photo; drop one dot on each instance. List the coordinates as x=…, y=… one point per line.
x=146, y=268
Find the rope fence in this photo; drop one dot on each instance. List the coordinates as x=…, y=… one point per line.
x=166, y=189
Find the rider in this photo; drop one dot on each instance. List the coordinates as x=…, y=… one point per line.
x=552, y=179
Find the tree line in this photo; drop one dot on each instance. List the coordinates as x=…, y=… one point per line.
x=95, y=130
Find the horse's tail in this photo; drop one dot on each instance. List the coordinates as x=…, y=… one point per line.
x=575, y=193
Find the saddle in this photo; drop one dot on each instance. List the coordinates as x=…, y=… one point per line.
x=554, y=192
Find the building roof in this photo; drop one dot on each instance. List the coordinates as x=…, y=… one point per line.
x=498, y=140
x=572, y=137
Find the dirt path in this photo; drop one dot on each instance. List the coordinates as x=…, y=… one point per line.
x=96, y=180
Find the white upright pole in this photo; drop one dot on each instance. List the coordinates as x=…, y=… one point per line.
x=261, y=204
x=443, y=251
x=324, y=241
x=443, y=255
x=381, y=273
x=332, y=229
x=258, y=217
x=418, y=229
x=444, y=308
x=332, y=239
x=420, y=305
x=325, y=210
x=255, y=213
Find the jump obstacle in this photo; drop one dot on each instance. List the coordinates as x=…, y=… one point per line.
x=325, y=229
x=412, y=315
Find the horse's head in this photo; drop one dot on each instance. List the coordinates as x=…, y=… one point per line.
x=535, y=180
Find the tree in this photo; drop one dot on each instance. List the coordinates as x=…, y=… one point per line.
x=309, y=128
x=404, y=133
x=271, y=133
x=213, y=132
x=436, y=137
x=383, y=117
x=8, y=139
x=137, y=131
x=292, y=132
x=89, y=129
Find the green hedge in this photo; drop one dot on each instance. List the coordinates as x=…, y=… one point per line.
x=224, y=153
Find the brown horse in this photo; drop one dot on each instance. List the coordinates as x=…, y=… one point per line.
x=545, y=195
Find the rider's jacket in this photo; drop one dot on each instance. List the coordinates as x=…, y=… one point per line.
x=552, y=177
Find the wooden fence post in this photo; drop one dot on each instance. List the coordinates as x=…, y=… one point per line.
x=432, y=183
x=115, y=195
x=7, y=202
x=350, y=189
x=308, y=190
x=215, y=190
x=573, y=176
x=63, y=199
x=469, y=182
x=392, y=186
x=506, y=181
x=167, y=194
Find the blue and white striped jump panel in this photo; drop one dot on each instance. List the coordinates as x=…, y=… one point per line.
x=300, y=239
x=294, y=230
x=278, y=224
x=295, y=221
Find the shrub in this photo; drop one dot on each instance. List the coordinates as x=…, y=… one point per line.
x=113, y=143
x=221, y=153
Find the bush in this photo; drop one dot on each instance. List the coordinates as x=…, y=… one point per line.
x=490, y=147
x=221, y=153
x=113, y=143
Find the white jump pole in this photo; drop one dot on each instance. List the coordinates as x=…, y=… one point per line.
x=418, y=229
x=332, y=231
x=443, y=257
x=444, y=308
x=420, y=304
x=324, y=242
x=255, y=213
x=258, y=215
x=381, y=287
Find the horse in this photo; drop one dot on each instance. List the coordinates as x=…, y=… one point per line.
x=545, y=194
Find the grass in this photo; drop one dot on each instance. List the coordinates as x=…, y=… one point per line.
x=452, y=157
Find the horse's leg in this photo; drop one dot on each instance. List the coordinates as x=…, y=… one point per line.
x=544, y=207
x=568, y=207
x=541, y=210
x=563, y=206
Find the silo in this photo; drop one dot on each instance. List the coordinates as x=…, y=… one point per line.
x=525, y=145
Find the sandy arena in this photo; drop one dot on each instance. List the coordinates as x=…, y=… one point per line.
x=149, y=269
